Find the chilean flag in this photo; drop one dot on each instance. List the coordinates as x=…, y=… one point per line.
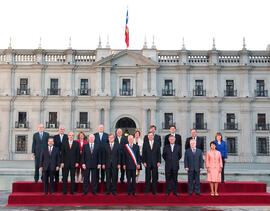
x=126, y=31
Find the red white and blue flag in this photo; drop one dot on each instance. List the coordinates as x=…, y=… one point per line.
x=132, y=154
x=127, y=31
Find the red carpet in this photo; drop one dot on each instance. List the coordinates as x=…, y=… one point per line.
x=230, y=193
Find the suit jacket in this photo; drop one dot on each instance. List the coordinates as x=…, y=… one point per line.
x=103, y=140
x=91, y=160
x=178, y=140
x=50, y=162
x=172, y=158
x=123, y=141
x=151, y=157
x=70, y=156
x=57, y=140
x=193, y=162
x=112, y=158
x=38, y=144
x=157, y=139
x=199, y=143
x=128, y=160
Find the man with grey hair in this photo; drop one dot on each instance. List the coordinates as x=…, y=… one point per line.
x=121, y=140
x=40, y=142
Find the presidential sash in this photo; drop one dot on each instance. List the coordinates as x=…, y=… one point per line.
x=130, y=151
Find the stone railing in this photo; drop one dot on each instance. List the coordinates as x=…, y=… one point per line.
x=85, y=57
x=55, y=58
x=259, y=57
x=25, y=58
x=198, y=59
x=229, y=59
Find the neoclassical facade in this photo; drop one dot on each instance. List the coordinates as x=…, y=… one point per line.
x=211, y=91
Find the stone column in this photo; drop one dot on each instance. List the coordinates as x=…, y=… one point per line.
x=144, y=82
x=153, y=116
x=107, y=82
x=144, y=121
x=153, y=82
x=107, y=126
x=98, y=81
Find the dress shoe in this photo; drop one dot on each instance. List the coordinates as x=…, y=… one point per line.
x=190, y=194
x=45, y=193
x=64, y=193
x=146, y=193
x=52, y=193
x=134, y=194
x=198, y=194
x=175, y=193
x=107, y=193
x=73, y=193
x=94, y=193
x=35, y=181
x=154, y=193
x=167, y=193
x=122, y=181
x=114, y=193
x=128, y=193
x=84, y=194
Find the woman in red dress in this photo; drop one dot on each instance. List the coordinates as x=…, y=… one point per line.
x=81, y=140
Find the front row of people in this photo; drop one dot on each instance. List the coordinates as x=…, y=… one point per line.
x=111, y=155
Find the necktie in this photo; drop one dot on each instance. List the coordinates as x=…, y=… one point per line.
x=111, y=146
x=91, y=148
x=70, y=145
x=151, y=145
x=172, y=148
x=193, y=150
x=61, y=138
x=119, y=139
x=50, y=150
x=100, y=136
x=40, y=135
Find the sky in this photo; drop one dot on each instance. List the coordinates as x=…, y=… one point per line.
x=198, y=21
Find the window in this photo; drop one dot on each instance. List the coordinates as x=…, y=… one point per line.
x=262, y=146
x=22, y=117
x=83, y=117
x=168, y=88
x=21, y=144
x=168, y=118
x=126, y=87
x=230, y=124
x=84, y=87
x=102, y=80
x=199, y=122
x=23, y=84
x=232, y=145
x=54, y=87
x=260, y=89
x=261, y=122
x=230, y=88
x=52, y=120
x=199, y=91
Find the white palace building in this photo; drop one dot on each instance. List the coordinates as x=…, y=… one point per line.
x=210, y=90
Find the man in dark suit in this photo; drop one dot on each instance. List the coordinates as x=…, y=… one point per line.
x=193, y=163
x=101, y=137
x=157, y=138
x=151, y=158
x=199, y=141
x=120, y=139
x=58, y=140
x=70, y=158
x=91, y=162
x=111, y=163
x=49, y=163
x=131, y=161
x=172, y=153
x=40, y=142
x=178, y=139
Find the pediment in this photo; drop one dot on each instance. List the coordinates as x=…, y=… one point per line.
x=127, y=58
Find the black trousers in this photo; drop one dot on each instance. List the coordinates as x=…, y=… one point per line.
x=171, y=181
x=37, y=166
x=111, y=179
x=222, y=171
x=48, y=174
x=56, y=176
x=101, y=177
x=66, y=171
x=94, y=180
x=122, y=178
x=131, y=180
x=151, y=172
x=193, y=177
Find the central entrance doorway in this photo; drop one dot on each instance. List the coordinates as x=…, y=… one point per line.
x=127, y=125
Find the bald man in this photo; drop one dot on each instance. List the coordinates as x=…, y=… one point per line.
x=40, y=142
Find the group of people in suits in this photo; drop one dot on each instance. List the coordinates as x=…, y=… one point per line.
x=104, y=155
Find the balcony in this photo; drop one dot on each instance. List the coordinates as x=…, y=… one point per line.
x=261, y=93
x=53, y=91
x=23, y=91
x=125, y=92
x=200, y=126
x=230, y=93
x=84, y=92
x=262, y=127
x=81, y=125
x=52, y=125
x=167, y=125
x=168, y=92
x=24, y=125
x=199, y=92
x=230, y=126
